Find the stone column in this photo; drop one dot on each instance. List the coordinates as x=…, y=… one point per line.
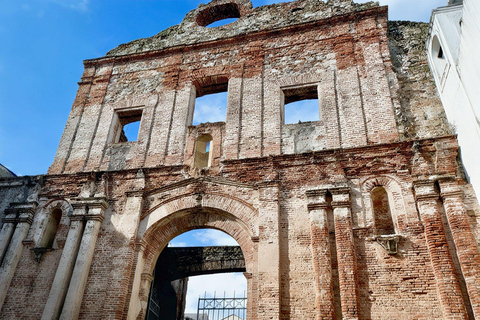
x=6, y=233
x=268, y=303
x=145, y=285
x=64, y=271
x=24, y=216
x=347, y=269
x=463, y=238
x=322, y=264
x=449, y=291
x=94, y=209
x=136, y=304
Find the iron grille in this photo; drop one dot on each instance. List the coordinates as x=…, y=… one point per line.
x=222, y=308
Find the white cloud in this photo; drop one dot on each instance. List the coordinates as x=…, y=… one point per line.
x=210, y=108
x=218, y=284
x=178, y=244
x=77, y=5
x=412, y=10
x=212, y=237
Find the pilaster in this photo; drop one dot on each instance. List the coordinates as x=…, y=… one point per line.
x=463, y=238
x=93, y=209
x=449, y=291
x=64, y=271
x=322, y=265
x=347, y=270
x=20, y=215
x=269, y=252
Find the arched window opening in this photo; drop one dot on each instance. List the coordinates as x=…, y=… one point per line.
x=381, y=212
x=438, y=57
x=218, y=15
x=51, y=227
x=203, y=154
x=204, y=263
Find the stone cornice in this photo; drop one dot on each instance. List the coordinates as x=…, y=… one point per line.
x=341, y=204
x=86, y=217
x=91, y=202
x=317, y=206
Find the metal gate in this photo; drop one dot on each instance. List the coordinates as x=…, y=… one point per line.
x=222, y=308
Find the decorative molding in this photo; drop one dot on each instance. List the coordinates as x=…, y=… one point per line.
x=341, y=204
x=91, y=202
x=316, y=206
x=147, y=277
x=389, y=242
x=316, y=192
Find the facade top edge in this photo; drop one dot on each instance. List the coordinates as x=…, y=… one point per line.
x=195, y=27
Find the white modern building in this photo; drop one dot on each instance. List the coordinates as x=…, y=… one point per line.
x=453, y=49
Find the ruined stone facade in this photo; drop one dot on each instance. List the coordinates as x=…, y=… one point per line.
x=364, y=214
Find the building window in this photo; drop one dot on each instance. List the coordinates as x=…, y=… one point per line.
x=51, y=227
x=127, y=125
x=211, y=100
x=440, y=53
x=223, y=13
x=381, y=212
x=203, y=154
x=438, y=58
x=300, y=104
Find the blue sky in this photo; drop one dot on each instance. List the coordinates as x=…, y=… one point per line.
x=43, y=44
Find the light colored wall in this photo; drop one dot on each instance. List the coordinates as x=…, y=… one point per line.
x=458, y=77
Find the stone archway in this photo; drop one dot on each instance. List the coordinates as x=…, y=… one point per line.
x=168, y=225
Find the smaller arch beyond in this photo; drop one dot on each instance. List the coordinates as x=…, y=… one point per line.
x=49, y=218
x=384, y=204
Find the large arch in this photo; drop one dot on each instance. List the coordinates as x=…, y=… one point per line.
x=184, y=213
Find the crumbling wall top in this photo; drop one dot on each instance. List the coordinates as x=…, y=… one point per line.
x=193, y=29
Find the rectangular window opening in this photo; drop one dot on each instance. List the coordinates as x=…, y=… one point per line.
x=301, y=104
x=210, y=104
x=128, y=125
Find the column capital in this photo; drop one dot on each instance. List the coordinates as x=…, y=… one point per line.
x=425, y=190
x=317, y=206
x=449, y=187
x=316, y=193
x=339, y=190
x=147, y=277
x=317, y=199
x=20, y=212
x=341, y=204
x=90, y=202
x=86, y=217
